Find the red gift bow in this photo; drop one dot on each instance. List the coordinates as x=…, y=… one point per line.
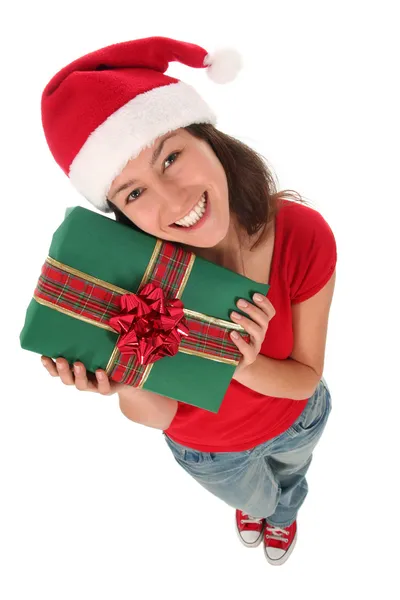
x=150, y=325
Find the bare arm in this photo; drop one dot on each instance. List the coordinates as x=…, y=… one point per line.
x=147, y=408
x=141, y=406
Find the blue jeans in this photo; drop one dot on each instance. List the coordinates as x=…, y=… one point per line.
x=268, y=480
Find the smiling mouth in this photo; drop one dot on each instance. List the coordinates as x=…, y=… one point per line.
x=194, y=215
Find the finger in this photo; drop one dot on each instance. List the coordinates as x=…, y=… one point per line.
x=81, y=379
x=64, y=371
x=246, y=349
x=104, y=386
x=255, y=313
x=256, y=331
x=50, y=366
x=265, y=304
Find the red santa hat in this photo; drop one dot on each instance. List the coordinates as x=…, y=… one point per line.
x=102, y=109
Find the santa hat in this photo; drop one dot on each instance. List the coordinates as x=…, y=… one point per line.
x=102, y=109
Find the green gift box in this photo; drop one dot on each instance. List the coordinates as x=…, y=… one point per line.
x=93, y=264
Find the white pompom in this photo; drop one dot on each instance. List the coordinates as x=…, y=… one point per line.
x=224, y=65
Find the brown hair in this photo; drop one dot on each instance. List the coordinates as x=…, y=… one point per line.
x=253, y=195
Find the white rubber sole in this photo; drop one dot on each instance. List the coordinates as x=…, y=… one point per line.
x=254, y=544
x=284, y=558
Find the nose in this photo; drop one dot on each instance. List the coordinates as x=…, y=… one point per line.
x=177, y=201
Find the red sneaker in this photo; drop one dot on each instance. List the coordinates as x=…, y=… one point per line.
x=279, y=543
x=250, y=529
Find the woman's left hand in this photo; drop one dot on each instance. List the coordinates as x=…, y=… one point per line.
x=260, y=315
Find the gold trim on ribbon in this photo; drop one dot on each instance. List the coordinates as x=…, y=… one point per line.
x=150, y=266
x=227, y=361
x=145, y=375
x=114, y=288
x=70, y=313
x=186, y=276
x=111, y=360
x=99, y=282
x=212, y=320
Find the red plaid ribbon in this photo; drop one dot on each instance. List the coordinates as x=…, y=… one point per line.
x=88, y=298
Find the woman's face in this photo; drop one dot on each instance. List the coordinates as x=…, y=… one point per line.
x=166, y=182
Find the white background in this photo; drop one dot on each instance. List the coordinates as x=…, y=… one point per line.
x=93, y=505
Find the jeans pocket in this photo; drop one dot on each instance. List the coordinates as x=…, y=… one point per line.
x=176, y=450
x=314, y=415
x=188, y=455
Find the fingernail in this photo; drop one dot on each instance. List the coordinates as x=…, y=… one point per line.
x=77, y=369
x=258, y=297
x=242, y=303
x=235, y=335
x=236, y=315
x=44, y=362
x=100, y=375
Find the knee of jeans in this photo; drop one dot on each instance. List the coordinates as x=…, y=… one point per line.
x=263, y=507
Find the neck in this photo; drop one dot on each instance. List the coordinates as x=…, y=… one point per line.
x=228, y=251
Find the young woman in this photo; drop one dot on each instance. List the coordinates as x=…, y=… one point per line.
x=144, y=145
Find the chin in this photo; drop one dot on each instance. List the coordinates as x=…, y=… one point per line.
x=209, y=240
x=206, y=243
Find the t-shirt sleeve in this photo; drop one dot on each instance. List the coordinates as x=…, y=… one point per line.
x=314, y=255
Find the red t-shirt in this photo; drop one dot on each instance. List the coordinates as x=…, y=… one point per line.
x=303, y=261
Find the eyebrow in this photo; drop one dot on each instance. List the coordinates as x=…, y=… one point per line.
x=154, y=158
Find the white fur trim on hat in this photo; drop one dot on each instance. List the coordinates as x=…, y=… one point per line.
x=133, y=127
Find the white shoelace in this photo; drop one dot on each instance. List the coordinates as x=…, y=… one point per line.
x=251, y=519
x=277, y=533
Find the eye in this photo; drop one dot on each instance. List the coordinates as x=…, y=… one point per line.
x=129, y=199
x=132, y=197
x=173, y=154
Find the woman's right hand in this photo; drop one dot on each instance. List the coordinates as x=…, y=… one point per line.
x=78, y=377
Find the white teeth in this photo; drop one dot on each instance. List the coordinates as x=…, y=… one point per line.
x=195, y=215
